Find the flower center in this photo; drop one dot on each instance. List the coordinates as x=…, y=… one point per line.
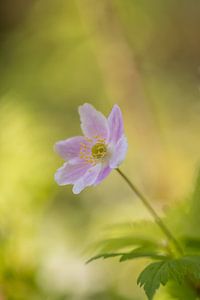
x=99, y=150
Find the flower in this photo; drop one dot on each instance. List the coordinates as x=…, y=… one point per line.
x=90, y=158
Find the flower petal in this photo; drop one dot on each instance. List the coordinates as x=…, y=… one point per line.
x=119, y=153
x=93, y=122
x=70, y=172
x=105, y=171
x=87, y=180
x=70, y=148
x=116, y=126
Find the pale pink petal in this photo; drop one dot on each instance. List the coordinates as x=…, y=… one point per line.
x=70, y=148
x=87, y=180
x=70, y=172
x=93, y=122
x=115, y=122
x=118, y=153
x=105, y=171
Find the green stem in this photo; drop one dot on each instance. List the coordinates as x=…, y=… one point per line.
x=156, y=217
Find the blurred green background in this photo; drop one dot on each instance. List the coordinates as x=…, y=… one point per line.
x=54, y=56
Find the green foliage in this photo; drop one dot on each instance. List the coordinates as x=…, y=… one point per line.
x=144, y=240
x=104, y=256
x=129, y=236
x=161, y=272
x=136, y=253
x=142, y=252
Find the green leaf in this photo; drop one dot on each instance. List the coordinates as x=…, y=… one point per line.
x=127, y=236
x=104, y=256
x=161, y=272
x=136, y=253
x=141, y=252
x=131, y=241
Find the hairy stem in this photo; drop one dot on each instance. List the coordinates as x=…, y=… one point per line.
x=156, y=217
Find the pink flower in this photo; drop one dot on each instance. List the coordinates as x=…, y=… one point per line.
x=90, y=158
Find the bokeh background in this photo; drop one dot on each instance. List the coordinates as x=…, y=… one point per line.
x=54, y=56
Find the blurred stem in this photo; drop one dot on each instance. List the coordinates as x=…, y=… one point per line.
x=156, y=217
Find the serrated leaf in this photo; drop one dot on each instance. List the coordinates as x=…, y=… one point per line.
x=136, y=253
x=131, y=241
x=151, y=278
x=161, y=272
x=140, y=253
x=104, y=256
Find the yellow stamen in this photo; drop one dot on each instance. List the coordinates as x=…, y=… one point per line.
x=99, y=150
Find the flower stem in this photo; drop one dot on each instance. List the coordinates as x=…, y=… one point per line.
x=156, y=217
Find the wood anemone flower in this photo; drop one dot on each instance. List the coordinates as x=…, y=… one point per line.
x=90, y=158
